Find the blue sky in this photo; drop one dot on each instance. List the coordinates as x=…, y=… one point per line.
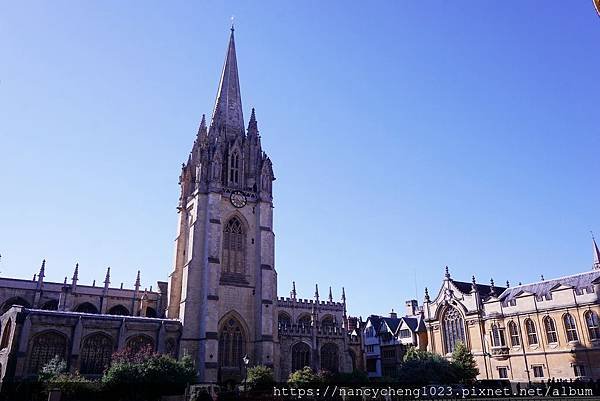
x=405, y=136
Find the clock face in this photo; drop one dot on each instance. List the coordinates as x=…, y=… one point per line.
x=238, y=199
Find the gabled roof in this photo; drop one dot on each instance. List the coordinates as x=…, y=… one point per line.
x=392, y=323
x=415, y=323
x=578, y=281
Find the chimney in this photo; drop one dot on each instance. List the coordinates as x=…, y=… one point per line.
x=412, y=307
x=393, y=314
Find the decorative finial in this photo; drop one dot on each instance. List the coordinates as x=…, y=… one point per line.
x=447, y=274
x=232, y=25
x=507, y=284
x=426, y=295
x=520, y=283
x=137, y=281
x=94, y=283
x=596, y=253
x=317, y=292
x=42, y=273
x=107, y=278
x=542, y=277
x=343, y=295
x=330, y=295
x=493, y=287
x=65, y=282
x=293, y=293
x=75, y=277
x=492, y=282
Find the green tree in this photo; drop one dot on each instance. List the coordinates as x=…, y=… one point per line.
x=420, y=367
x=260, y=378
x=304, y=378
x=464, y=363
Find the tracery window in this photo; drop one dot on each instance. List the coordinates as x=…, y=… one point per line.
x=453, y=329
x=513, y=330
x=329, y=357
x=231, y=344
x=304, y=321
x=95, y=353
x=532, y=338
x=593, y=324
x=44, y=347
x=86, y=307
x=550, y=326
x=300, y=356
x=140, y=343
x=234, y=167
x=234, y=247
x=571, y=327
x=118, y=310
x=327, y=323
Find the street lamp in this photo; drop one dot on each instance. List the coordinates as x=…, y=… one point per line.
x=246, y=361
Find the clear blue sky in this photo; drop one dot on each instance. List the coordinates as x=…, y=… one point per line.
x=405, y=136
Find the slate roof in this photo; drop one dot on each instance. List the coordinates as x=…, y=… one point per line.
x=415, y=322
x=483, y=290
x=392, y=322
x=578, y=281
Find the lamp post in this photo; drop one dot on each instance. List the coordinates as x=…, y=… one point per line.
x=246, y=361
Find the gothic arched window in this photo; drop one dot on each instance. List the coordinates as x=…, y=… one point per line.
x=51, y=305
x=95, y=354
x=300, y=356
x=118, y=310
x=231, y=344
x=284, y=320
x=498, y=339
x=234, y=247
x=140, y=343
x=13, y=301
x=234, y=167
x=329, y=357
x=304, y=321
x=593, y=324
x=44, y=347
x=571, y=327
x=531, y=332
x=86, y=307
x=150, y=312
x=453, y=328
x=6, y=334
x=550, y=327
x=327, y=322
x=513, y=330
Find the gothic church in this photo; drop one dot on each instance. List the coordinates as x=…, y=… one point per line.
x=220, y=303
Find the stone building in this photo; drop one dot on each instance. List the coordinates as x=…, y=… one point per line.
x=221, y=301
x=531, y=332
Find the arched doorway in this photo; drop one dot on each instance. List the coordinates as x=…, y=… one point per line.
x=300, y=356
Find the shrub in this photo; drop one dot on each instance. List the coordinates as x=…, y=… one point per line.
x=304, y=378
x=259, y=378
x=420, y=367
x=464, y=364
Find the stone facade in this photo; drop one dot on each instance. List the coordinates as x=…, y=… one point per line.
x=532, y=332
x=220, y=304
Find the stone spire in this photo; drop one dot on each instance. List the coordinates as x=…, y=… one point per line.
x=42, y=272
x=447, y=273
x=137, y=281
x=75, y=277
x=473, y=284
x=317, y=292
x=492, y=288
x=107, y=278
x=427, y=299
x=330, y=295
x=596, y=253
x=227, y=116
x=343, y=295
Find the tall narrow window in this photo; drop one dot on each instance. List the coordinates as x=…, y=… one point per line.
x=234, y=168
x=234, y=246
x=498, y=338
x=300, y=356
x=550, y=327
x=44, y=347
x=532, y=338
x=513, y=330
x=571, y=328
x=231, y=344
x=453, y=328
x=593, y=325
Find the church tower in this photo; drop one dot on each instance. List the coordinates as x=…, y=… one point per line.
x=224, y=285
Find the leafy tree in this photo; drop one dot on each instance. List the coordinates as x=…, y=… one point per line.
x=54, y=376
x=147, y=375
x=464, y=363
x=420, y=367
x=55, y=366
x=260, y=378
x=304, y=378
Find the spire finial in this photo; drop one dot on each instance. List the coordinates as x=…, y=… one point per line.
x=447, y=274
x=317, y=292
x=232, y=23
x=493, y=287
x=107, y=278
x=137, y=281
x=596, y=253
x=542, y=277
x=473, y=284
x=330, y=295
x=42, y=270
x=426, y=295
x=293, y=293
x=343, y=295
x=507, y=284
